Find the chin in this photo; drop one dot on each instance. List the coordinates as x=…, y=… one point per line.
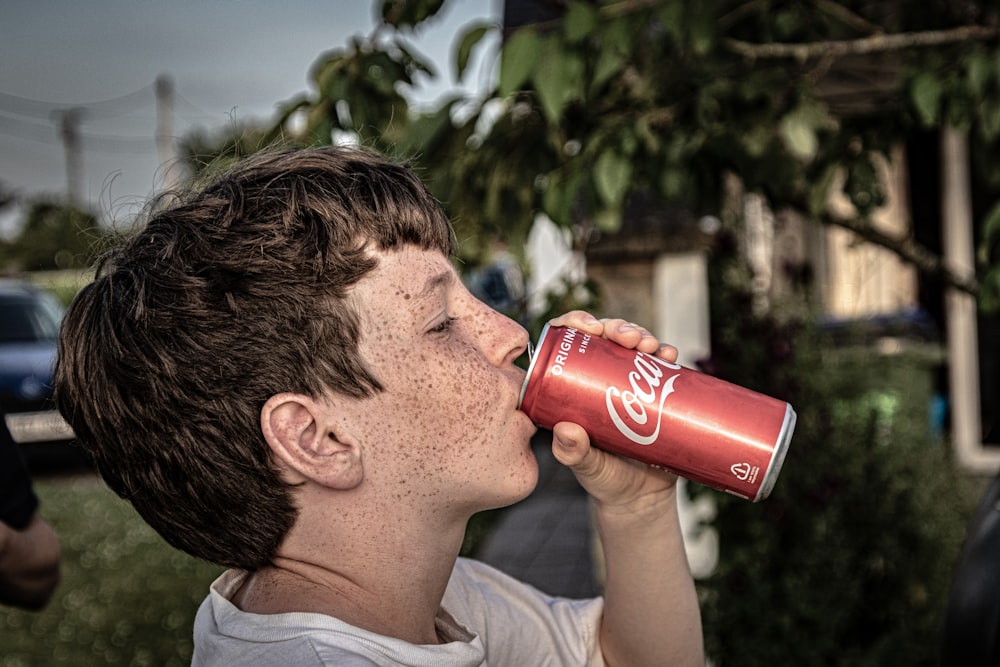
x=532, y=480
x=517, y=488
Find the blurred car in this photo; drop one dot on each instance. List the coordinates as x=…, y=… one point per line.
x=29, y=324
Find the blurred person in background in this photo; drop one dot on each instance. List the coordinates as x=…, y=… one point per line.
x=284, y=374
x=29, y=549
x=499, y=283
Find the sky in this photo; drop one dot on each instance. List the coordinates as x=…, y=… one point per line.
x=229, y=61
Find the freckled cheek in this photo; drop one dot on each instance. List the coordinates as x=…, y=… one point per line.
x=457, y=398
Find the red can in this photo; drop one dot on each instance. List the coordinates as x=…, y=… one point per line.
x=642, y=407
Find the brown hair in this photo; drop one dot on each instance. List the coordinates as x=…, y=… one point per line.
x=227, y=296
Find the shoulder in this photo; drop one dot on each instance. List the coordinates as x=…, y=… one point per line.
x=480, y=590
x=516, y=622
x=472, y=577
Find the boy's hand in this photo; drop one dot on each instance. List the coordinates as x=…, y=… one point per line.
x=613, y=481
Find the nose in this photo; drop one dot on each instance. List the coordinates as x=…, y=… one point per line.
x=517, y=342
x=504, y=340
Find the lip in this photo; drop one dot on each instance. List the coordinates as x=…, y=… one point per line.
x=517, y=400
x=516, y=377
x=534, y=427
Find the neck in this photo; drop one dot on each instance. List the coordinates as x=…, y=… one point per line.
x=384, y=577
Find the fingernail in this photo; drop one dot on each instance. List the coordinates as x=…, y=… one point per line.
x=562, y=442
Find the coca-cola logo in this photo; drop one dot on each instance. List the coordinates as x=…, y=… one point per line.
x=630, y=409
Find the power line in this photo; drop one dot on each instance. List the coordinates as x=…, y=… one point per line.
x=49, y=134
x=23, y=129
x=143, y=98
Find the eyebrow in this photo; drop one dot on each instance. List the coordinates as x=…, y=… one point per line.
x=435, y=282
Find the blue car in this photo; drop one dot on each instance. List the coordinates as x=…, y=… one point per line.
x=29, y=324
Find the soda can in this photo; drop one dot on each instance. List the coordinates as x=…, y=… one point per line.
x=637, y=405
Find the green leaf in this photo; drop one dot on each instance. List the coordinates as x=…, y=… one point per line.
x=863, y=186
x=989, y=292
x=320, y=130
x=613, y=56
x=579, y=22
x=470, y=39
x=995, y=63
x=610, y=62
x=991, y=225
x=408, y=13
x=412, y=61
x=645, y=134
x=381, y=73
x=557, y=78
x=560, y=196
x=552, y=200
x=799, y=129
x=701, y=26
x=757, y=139
x=494, y=193
x=799, y=135
x=612, y=175
x=609, y=219
x=671, y=15
x=819, y=190
x=518, y=59
x=978, y=72
x=925, y=93
x=428, y=130
x=960, y=111
x=989, y=120
x=674, y=183
x=331, y=75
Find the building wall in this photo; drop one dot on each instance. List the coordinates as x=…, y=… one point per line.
x=626, y=289
x=862, y=279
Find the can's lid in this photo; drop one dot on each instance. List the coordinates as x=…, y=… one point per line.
x=533, y=356
x=778, y=455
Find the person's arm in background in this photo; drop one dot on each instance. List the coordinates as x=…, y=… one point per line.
x=29, y=548
x=651, y=613
x=29, y=564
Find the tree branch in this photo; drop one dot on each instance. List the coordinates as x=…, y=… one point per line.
x=864, y=45
x=907, y=249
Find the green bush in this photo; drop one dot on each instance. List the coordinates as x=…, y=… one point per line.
x=126, y=598
x=850, y=559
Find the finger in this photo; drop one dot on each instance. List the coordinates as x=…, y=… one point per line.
x=667, y=352
x=631, y=335
x=622, y=331
x=579, y=319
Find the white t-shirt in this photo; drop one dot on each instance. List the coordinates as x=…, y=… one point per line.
x=490, y=618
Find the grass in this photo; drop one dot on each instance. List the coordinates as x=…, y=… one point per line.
x=126, y=597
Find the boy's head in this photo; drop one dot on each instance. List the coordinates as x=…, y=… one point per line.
x=226, y=297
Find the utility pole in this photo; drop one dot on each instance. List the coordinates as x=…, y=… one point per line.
x=166, y=143
x=69, y=131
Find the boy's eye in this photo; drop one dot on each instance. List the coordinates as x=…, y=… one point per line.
x=444, y=325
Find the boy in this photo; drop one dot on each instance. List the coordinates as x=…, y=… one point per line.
x=284, y=374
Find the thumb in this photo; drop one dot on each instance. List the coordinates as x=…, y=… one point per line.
x=571, y=447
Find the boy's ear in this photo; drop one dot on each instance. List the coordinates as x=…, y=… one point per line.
x=300, y=432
